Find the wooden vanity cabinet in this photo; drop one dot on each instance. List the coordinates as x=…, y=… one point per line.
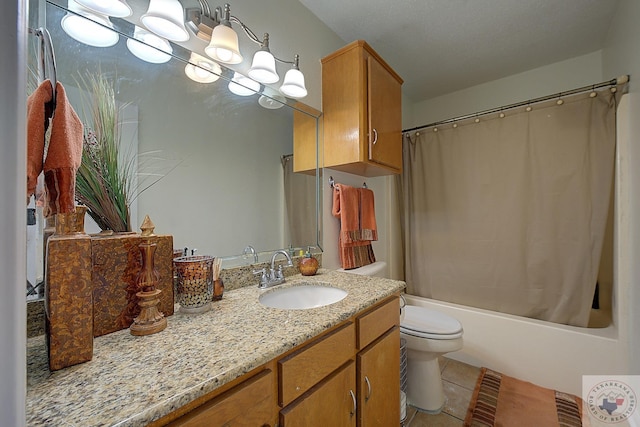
x=347, y=376
x=350, y=377
x=362, y=108
x=378, y=382
x=231, y=408
x=378, y=365
x=330, y=403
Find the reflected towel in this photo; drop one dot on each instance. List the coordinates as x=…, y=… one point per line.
x=356, y=210
x=61, y=159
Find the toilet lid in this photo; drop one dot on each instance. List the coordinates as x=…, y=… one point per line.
x=424, y=322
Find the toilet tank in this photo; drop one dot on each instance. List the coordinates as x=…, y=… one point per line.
x=376, y=269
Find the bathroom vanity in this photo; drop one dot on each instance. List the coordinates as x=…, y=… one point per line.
x=241, y=359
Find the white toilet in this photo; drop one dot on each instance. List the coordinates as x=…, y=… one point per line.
x=429, y=334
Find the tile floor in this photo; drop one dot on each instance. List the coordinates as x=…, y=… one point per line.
x=458, y=380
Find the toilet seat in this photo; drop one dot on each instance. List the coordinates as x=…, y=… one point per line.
x=426, y=323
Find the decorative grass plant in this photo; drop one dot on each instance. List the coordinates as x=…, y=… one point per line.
x=108, y=180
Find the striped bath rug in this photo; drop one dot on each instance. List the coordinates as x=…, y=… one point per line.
x=499, y=400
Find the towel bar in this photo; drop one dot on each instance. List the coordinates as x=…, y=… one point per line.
x=332, y=183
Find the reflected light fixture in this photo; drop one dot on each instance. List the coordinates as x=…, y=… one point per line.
x=263, y=67
x=271, y=99
x=149, y=47
x=115, y=8
x=88, y=27
x=293, y=84
x=243, y=85
x=201, y=69
x=166, y=19
x=223, y=46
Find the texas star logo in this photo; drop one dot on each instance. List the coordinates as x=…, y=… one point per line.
x=611, y=401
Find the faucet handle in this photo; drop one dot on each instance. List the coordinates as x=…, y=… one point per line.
x=279, y=273
x=263, y=276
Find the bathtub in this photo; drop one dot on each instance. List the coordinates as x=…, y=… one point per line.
x=548, y=354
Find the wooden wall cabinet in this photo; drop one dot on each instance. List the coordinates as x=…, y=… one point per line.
x=362, y=109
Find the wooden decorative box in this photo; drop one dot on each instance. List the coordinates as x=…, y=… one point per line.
x=68, y=301
x=116, y=264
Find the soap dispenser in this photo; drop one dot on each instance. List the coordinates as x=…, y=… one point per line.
x=308, y=265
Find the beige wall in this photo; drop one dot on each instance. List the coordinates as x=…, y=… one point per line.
x=621, y=55
x=554, y=78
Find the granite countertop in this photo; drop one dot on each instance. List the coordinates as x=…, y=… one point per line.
x=132, y=381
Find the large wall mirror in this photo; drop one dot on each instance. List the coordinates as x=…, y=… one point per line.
x=225, y=160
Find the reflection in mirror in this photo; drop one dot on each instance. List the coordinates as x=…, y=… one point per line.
x=226, y=178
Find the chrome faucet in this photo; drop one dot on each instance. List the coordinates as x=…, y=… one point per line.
x=273, y=277
x=250, y=250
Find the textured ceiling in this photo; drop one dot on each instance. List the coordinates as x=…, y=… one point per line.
x=440, y=46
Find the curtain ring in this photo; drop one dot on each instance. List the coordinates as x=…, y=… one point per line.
x=593, y=93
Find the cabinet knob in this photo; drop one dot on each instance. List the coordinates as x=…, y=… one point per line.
x=366, y=380
x=353, y=397
x=375, y=136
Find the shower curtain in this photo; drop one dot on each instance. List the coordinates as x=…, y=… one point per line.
x=508, y=212
x=300, y=206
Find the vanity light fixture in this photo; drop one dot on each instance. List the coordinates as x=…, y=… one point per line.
x=242, y=85
x=293, y=84
x=88, y=27
x=115, y=8
x=201, y=69
x=149, y=47
x=166, y=19
x=224, y=48
x=263, y=66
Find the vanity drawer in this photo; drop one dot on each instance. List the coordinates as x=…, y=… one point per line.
x=304, y=368
x=232, y=408
x=377, y=321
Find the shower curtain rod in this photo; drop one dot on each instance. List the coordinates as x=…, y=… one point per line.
x=613, y=82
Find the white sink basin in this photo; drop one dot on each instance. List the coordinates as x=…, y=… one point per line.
x=302, y=297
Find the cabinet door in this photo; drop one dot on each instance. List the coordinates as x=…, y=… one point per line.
x=331, y=403
x=385, y=116
x=306, y=367
x=252, y=403
x=379, y=382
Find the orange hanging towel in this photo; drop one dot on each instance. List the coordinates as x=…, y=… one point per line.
x=355, y=207
x=64, y=153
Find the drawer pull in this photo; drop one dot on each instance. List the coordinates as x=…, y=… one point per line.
x=366, y=380
x=353, y=396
